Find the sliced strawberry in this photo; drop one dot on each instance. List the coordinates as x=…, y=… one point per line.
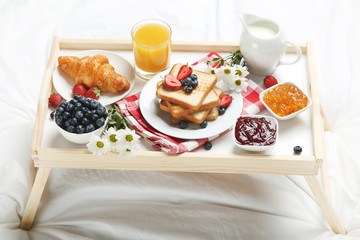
x=93, y=93
x=270, y=81
x=79, y=89
x=225, y=100
x=184, y=71
x=55, y=99
x=171, y=81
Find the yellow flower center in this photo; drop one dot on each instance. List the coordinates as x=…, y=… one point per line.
x=227, y=71
x=129, y=138
x=128, y=150
x=238, y=82
x=212, y=71
x=238, y=72
x=113, y=138
x=100, y=144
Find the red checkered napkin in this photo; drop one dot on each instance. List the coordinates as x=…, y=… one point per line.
x=130, y=109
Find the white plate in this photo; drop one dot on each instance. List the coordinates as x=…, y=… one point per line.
x=160, y=120
x=64, y=84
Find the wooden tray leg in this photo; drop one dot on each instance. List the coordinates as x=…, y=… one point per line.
x=325, y=205
x=327, y=125
x=34, y=198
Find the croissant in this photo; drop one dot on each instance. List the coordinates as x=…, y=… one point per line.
x=94, y=71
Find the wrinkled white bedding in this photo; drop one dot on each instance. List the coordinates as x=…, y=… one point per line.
x=99, y=204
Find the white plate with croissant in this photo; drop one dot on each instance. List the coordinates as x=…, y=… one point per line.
x=110, y=72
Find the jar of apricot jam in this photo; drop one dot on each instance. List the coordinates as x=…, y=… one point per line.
x=285, y=99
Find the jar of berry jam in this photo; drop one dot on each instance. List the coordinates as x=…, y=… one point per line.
x=255, y=132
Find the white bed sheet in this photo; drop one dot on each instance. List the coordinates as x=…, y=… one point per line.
x=99, y=204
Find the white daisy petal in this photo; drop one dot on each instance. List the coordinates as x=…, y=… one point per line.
x=110, y=135
x=127, y=140
x=98, y=145
x=128, y=150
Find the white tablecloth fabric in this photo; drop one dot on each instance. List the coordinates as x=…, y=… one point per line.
x=95, y=204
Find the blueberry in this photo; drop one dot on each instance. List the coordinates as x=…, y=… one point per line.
x=60, y=111
x=90, y=128
x=79, y=114
x=63, y=104
x=59, y=120
x=52, y=115
x=70, y=107
x=297, y=149
x=221, y=110
x=78, y=97
x=187, y=81
x=84, y=110
x=208, y=145
x=194, y=83
x=85, y=121
x=182, y=81
x=203, y=124
x=189, y=89
x=183, y=124
x=66, y=115
x=73, y=121
x=94, y=117
x=78, y=106
x=100, y=122
x=193, y=76
x=74, y=101
x=67, y=123
x=87, y=113
x=101, y=111
x=93, y=103
x=71, y=129
x=85, y=102
x=80, y=129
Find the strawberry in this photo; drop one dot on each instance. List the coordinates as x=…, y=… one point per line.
x=171, y=81
x=93, y=93
x=79, y=89
x=184, y=71
x=55, y=99
x=225, y=100
x=270, y=81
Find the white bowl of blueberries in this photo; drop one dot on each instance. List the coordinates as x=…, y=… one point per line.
x=80, y=118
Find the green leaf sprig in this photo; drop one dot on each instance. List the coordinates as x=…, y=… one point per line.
x=116, y=119
x=232, y=59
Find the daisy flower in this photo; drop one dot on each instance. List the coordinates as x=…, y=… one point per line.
x=98, y=145
x=238, y=84
x=110, y=135
x=225, y=73
x=128, y=151
x=127, y=142
x=241, y=71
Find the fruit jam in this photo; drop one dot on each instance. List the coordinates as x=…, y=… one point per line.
x=285, y=99
x=255, y=131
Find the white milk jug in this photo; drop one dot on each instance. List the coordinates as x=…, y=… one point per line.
x=263, y=45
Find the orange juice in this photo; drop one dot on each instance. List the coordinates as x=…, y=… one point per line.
x=152, y=46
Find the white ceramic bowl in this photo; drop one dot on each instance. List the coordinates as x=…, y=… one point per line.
x=83, y=137
x=256, y=148
x=80, y=138
x=290, y=115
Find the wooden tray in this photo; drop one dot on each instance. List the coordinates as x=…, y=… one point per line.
x=47, y=158
x=186, y=162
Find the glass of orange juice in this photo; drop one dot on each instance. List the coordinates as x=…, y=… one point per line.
x=151, y=40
